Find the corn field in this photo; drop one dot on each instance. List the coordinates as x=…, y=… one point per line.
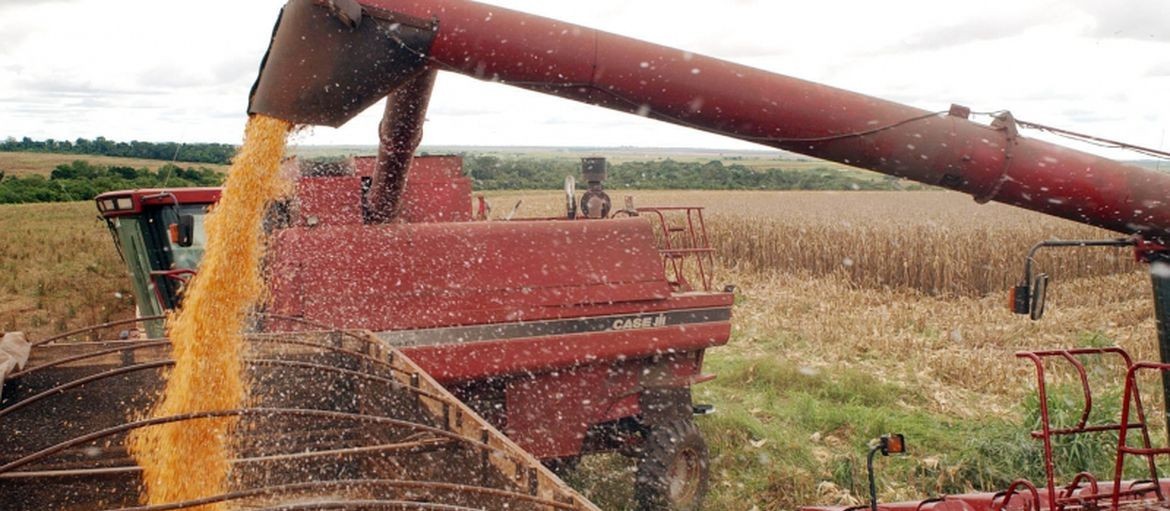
x=957, y=259
x=60, y=270
x=938, y=243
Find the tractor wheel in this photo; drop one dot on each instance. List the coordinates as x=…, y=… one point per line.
x=562, y=466
x=672, y=471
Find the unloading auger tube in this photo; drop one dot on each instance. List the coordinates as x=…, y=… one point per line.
x=331, y=59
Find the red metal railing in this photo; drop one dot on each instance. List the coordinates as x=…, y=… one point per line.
x=684, y=237
x=1069, y=496
x=1014, y=490
x=1133, y=394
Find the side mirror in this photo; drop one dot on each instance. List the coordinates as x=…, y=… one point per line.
x=186, y=230
x=1020, y=299
x=1039, y=289
x=570, y=197
x=1028, y=298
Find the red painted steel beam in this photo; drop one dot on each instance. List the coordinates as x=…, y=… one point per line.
x=701, y=92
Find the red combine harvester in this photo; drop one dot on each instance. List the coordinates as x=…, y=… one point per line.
x=583, y=333
x=565, y=333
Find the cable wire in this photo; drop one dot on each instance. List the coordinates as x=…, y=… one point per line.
x=1097, y=141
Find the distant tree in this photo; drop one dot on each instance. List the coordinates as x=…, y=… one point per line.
x=81, y=180
x=127, y=173
x=63, y=171
x=489, y=172
x=202, y=153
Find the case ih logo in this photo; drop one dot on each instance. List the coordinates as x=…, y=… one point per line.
x=640, y=322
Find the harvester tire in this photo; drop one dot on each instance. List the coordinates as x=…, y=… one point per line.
x=673, y=469
x=562, y=466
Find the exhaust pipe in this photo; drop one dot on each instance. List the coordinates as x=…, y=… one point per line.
x=331, y=59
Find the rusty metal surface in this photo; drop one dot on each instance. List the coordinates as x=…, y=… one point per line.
x=333, y=416
x=323, y=68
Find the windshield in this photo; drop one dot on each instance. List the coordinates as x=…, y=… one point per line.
x=185, y=257
x=155, y=259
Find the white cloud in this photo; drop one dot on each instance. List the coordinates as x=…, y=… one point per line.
x=1142, y=20
x=139, y=69
x=1159, y=70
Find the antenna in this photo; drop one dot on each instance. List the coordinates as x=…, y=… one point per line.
x=175, y=158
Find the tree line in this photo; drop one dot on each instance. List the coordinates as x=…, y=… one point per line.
x=495, y=173
x=200, y=153
x=82, y=180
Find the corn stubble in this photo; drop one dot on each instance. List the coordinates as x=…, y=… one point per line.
x=934, y=242
x=190, y=459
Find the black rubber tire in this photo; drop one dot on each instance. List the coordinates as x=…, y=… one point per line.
x=673, y=470
x=562, y=466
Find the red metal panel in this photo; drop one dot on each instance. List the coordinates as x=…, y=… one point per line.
x=1020, y=501
x=285, y=276
x=329, y=201
x=398, y=276
x=363, y=166
x=436, y=191
x=738, y=101
x=436, y=168
x=436, y=201
x=549, y=415
x=459, y=362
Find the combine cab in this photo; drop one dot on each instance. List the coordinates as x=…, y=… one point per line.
x=159, y=234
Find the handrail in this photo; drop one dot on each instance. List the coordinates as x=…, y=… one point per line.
x=1046, y=431
x=1131, y=390
x=694, y=237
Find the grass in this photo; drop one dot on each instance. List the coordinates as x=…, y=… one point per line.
x=788, y=434
x=817, y=367
x=59, y=269
x=24, y=164
x=823, y=357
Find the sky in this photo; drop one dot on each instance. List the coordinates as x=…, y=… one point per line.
x=181, y=71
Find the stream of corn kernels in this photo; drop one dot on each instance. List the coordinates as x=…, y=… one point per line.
x=191, y=459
